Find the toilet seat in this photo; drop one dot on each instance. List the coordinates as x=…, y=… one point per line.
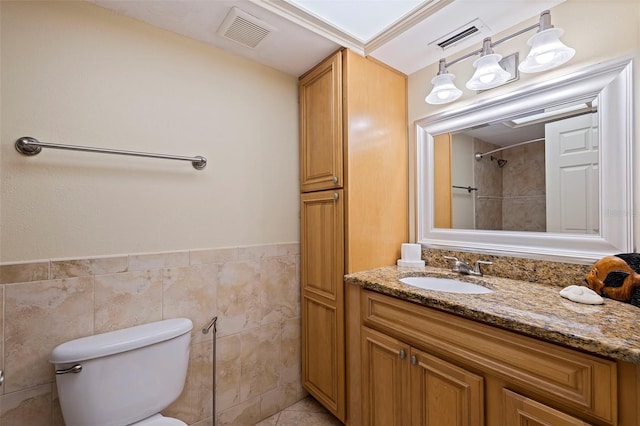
x=159, y=420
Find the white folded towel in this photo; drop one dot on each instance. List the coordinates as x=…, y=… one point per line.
x=581, y=294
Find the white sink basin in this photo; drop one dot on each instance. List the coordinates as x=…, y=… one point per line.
x=446, y=285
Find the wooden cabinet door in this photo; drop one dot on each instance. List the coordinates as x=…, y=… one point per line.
x=522, y=411
x=322, y=292
x=442, y=182
x=321, y=162
x=443, y=394
x=385, y=389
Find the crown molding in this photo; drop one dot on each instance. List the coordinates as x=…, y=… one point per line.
x=311, y=22
x=291, y=12
x=405, y=23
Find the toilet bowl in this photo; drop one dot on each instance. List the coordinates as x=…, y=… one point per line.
x=123, y=377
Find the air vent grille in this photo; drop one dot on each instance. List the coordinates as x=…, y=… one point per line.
x=463, y=35
x=243, y=28
x=456, y=38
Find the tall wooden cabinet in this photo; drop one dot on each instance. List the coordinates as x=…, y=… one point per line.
x=354, y=204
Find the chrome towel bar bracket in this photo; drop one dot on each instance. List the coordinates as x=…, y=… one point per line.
x=212, y=323
x=30, y=146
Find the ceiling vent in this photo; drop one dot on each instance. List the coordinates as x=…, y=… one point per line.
x=244, y=29
x=456, y=38
x=460, y=34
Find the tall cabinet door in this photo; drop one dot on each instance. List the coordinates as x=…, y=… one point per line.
x=443, y=394
x=321, y=155
x=322, y=310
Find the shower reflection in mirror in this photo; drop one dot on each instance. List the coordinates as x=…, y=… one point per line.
x=536, y=172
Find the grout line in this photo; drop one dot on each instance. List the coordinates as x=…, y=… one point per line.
x=93, y=286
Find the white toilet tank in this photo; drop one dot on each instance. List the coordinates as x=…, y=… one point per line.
x=126, y=376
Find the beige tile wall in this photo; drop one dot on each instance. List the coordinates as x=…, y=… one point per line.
x=524, y=207
x=511, y=198
x=253, y=290
x=488, y=180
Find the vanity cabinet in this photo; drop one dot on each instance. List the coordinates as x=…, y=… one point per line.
x=447, y=370
x=354, y=203
x=385, y=378
x=520, y=410
x=406, y=386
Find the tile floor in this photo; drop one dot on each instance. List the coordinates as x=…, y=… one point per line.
x=306, y=412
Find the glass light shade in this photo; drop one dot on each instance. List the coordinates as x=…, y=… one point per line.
x=547, y=51
x=489, y=73
x=443, y=91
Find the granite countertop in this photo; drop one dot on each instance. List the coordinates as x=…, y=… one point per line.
x=532, y=309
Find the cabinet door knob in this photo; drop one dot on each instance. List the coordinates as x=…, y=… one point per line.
x=414, y=360
x=336, y=196
x=335, y=179
x=402, y=354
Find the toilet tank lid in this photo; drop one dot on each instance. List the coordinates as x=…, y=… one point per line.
x=118, y=341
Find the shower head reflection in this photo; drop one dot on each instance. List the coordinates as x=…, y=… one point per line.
x=501, y=162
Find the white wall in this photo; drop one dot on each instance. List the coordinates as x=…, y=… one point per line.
x=74, y=73
x=462, y=159
x=598, y=30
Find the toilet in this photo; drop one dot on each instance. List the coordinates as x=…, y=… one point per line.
x=123, y=377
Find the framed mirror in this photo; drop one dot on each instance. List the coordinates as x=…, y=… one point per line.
x=542, y=172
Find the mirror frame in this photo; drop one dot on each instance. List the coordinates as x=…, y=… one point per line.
x=612, y=83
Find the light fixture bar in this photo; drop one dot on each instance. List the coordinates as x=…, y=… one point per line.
x=505, y=39
x=547, y=52
x=462, y=58
x=518, y=33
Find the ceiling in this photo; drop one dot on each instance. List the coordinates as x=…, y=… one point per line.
x=294, y=35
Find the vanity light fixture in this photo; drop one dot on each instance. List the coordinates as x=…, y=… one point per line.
x=547, y=52
x=444, y=91
x=489, y=73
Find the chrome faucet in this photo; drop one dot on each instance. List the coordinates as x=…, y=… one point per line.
x=464, y=268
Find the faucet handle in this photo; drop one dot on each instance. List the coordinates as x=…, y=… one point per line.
x=476, y=266
x=456, y=265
